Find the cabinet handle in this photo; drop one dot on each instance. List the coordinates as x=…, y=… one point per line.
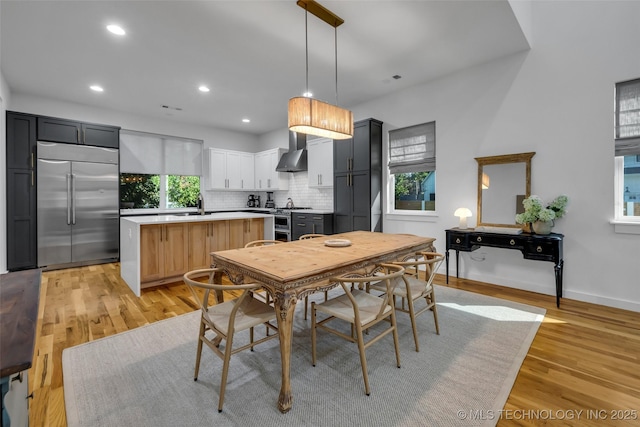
x=479, y=239
x=539, y=249
x=84, y=136
x=73, y=199
x=32, y=160
x=78, y=132
x=458, y=240
x=313, y=228
x=512, y=242
x=32, y=179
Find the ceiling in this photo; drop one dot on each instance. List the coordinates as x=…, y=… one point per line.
x=251, y=54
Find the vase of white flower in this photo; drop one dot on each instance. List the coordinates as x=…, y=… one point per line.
x=541, y=218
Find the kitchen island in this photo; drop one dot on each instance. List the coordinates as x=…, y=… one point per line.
x=159, y=249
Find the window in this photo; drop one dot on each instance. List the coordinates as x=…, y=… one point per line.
x=627, y=150
x=412, y=167
x=159, y=172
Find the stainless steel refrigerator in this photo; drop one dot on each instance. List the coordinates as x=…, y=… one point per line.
x=77, y=205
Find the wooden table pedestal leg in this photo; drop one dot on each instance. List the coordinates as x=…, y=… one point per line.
x=285, y=305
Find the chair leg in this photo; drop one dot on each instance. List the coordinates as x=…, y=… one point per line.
x=251, y=336
x=199, y=351
x=225, y=371
x=432, y=300
x=395, y=336
x=412, y=315
x=313, y=332
x=363, y=359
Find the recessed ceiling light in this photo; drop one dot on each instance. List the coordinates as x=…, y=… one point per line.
x=116, y=29
x=246, y=121
x=203, y=88
x=96, y=88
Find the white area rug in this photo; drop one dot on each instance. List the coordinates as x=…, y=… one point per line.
x=144, y=377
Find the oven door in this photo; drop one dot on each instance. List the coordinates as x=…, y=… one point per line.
x=282, y=227
x=282, y=235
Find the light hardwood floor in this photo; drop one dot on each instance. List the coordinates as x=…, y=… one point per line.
x=584, y=358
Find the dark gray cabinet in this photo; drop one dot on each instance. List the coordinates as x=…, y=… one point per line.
x=74, y=132
x=22, y=250
x=310, y=223
x=357, y=179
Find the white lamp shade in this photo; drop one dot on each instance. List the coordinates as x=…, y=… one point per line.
x=462, y=213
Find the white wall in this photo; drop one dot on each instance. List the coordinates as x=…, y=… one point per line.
x=4, y=105
x=556, y=100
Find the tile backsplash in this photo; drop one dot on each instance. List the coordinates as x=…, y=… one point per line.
x=299, y=192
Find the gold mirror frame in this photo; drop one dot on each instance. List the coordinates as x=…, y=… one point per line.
x=498, y=160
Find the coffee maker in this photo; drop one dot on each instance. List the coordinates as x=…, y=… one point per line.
x=251, y=203
x=269, y=203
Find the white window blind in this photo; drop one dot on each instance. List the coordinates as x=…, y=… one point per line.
x=628, y=118
x=148, y=153
x=413, y=149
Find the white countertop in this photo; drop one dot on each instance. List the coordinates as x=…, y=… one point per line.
x=167, y=219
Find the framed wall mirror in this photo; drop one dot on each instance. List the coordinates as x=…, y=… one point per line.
x=503, y=182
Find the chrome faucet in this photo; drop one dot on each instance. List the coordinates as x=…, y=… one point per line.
x=200, y=204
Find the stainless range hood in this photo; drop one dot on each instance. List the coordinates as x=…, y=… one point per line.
x=295, y=160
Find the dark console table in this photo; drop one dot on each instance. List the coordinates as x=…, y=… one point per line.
x=20, y=294
x=533, y=246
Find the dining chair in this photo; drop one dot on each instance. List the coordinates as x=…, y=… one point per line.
x=311, y=236
x=225, y=319
x=362, y=310
x=306, y=299
x=262, y=243
x=261, y=292
x=412, y=288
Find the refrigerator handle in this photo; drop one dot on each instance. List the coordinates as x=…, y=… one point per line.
x=73, y=199
x=68, y=199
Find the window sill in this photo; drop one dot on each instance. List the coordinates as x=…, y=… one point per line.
x=626, y=226
x=423, y=216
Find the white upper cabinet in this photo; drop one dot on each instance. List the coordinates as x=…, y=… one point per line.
x=266, y=177
x=320, y=162
x=231, y=170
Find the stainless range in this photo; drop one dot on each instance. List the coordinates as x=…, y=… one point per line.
x=282, y=222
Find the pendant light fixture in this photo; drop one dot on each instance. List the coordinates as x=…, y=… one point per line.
x=311, y=116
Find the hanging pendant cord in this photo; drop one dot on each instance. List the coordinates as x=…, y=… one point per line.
x=306, y=44
x=335, y=38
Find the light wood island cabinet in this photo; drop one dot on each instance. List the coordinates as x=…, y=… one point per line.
x=163, y=252
x=155, y=250
x=244, y=231
x=204, y=238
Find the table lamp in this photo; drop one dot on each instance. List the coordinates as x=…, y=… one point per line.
x=462, y=213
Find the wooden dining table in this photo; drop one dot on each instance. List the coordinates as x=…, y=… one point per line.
x=293, y=270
